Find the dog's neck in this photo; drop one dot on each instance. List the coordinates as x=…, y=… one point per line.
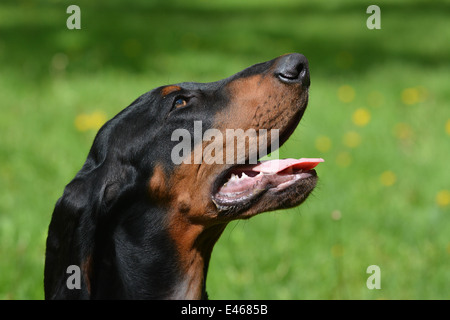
x=161, y=263
x=195, y=246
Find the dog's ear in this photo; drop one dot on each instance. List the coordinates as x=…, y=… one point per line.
x=86, y=201
x=63, y=241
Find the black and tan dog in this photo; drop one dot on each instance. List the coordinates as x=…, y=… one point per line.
x=140, y=226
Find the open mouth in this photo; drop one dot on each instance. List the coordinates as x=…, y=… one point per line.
x=241, y=186
x=244, y=184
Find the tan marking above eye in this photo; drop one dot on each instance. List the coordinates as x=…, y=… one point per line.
x=169, y=89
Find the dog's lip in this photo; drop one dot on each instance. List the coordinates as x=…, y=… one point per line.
x=246, y=183
x=241, y=189
x=240, y=186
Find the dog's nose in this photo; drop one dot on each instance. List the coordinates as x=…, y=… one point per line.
x=293, y=68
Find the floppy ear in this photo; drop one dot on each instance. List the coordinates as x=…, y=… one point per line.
x=72, y=231
x=68, y=240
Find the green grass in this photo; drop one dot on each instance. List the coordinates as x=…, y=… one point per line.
x=49, y=75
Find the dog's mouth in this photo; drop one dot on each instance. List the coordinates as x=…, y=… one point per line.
x=279, y=183
x=245, y=184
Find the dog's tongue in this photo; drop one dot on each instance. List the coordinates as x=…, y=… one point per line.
x=275, y=166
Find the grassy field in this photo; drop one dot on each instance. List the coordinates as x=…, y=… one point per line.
x=379, y=115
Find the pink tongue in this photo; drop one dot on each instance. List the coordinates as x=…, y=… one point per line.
x=275, y=166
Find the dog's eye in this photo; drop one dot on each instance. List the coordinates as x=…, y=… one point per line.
x=180, y=103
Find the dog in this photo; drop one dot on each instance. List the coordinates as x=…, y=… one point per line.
x=138, y=225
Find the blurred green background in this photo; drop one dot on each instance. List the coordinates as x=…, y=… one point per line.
x=378, y=114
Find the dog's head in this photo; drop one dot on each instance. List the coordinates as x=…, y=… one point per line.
x=183, y=158
x=195, y=145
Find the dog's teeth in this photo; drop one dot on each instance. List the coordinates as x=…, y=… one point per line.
x=244, y=175
x=233, y=177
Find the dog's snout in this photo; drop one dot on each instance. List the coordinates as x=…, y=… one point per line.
x=293, y=68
